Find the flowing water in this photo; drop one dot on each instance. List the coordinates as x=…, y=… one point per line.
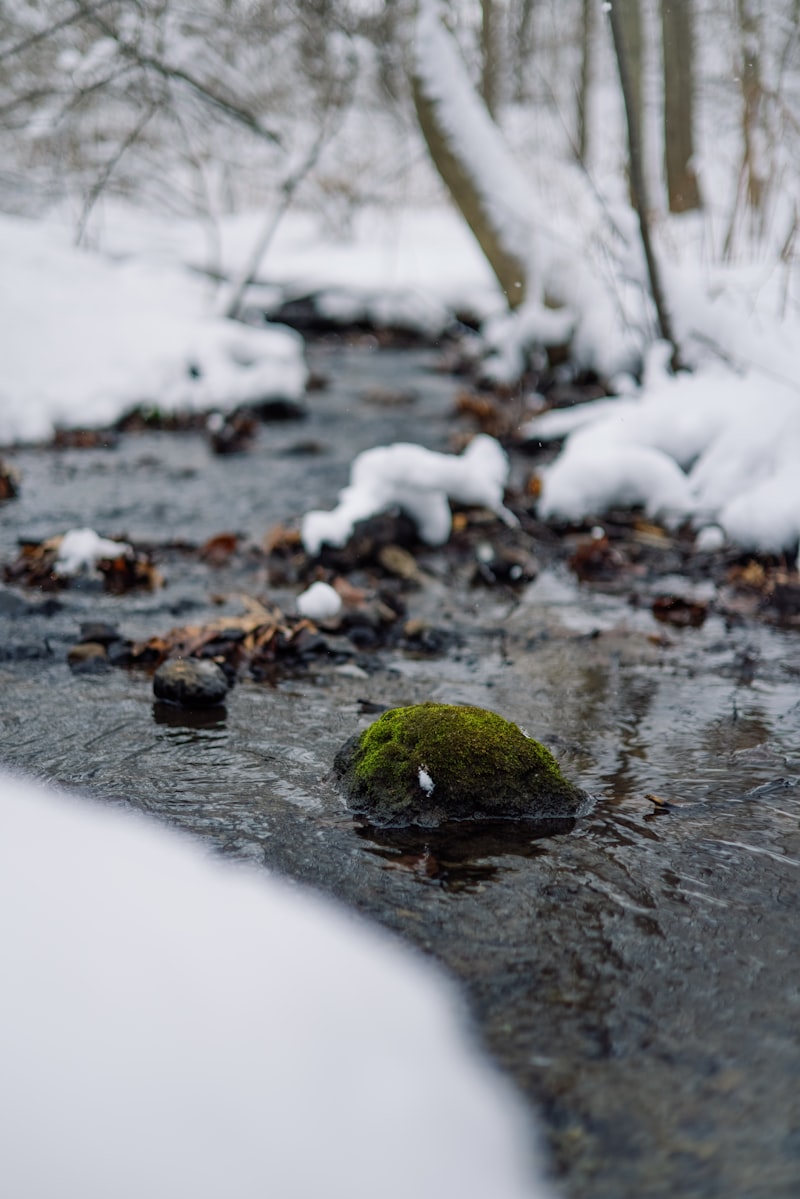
x=639, y=975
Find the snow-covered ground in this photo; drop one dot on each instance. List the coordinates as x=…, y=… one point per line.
x=85, y=338
x=89, y=334
x=717, y=446
x=174, y=1026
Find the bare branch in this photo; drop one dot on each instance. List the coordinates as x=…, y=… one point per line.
x=42, y=34
x=101, y=182
x=168, y=71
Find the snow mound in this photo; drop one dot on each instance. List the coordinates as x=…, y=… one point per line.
x=173, y=1026
x=86, y=338
x=420, y=482
x=713, y=446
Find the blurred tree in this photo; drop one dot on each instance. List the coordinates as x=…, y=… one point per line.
x=629, y=34
x=633, y=115
x=683, y=190
x=490, y=56
x=584, y=84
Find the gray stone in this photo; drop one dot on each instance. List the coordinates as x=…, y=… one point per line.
x=191, y=682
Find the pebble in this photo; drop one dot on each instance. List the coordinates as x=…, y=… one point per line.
x=88, y=657
x=191, y=682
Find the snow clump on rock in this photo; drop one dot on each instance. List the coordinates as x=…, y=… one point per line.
x=420, y=482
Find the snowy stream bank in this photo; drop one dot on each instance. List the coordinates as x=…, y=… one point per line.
x=637, y=977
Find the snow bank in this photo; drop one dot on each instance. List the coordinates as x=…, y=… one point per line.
x=713, y=446
x=398, y=264
x=171, y=1026
x=85, y=338
x=420, y=482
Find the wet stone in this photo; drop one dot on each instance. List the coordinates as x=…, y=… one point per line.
x=99, y=631
x=190, y=682
x=431, y=763
x=88, y=657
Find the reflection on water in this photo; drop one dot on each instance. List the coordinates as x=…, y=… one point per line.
x=455, y=856
x=175, y=717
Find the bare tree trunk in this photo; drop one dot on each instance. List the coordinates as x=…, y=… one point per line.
x=508, y=269
x=628, y=20
x=752, y=95
x=683, y=189
x=638, y=185
x=489, y=56
x=522, y=48
x=587, y=48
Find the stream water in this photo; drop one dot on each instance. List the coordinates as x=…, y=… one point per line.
x=638, y=976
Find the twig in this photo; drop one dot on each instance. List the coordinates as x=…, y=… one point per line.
x=225, y=104
x=101, y=182
x=42, y=34
x=288, y=190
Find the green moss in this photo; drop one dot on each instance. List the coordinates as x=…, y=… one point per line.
x=434, y=762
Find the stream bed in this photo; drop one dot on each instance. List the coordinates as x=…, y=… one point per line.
x=637, y=976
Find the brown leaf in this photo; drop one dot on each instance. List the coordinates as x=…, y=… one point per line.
x=675, y=610
x=219, y=550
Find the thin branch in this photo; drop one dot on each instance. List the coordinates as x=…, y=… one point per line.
x=229, y=106
x=100, y=184
x=288, y=189
x=42, y=34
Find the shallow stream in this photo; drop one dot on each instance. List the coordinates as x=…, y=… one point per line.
x=638, y=976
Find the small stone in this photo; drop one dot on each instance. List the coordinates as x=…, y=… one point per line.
x=98, y=631
x=89, y=657
x=430, y=763
x=399, y=562
x=191, y=682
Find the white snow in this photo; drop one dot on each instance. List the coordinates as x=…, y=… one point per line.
x=568, y=297
x=174, y=1026
x=82, y=549
x=85, y=338
x=319, y=602
x=419, y=481
x=713, y=446
x=425, y=781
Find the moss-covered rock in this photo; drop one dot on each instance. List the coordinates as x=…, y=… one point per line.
x=430, y=763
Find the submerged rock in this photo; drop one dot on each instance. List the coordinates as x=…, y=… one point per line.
x=192, y=682
x=430, y=763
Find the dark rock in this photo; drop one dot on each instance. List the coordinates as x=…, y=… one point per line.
x=272, y=409
x=99, y=631
x=504, y=564
x=88, y=657
x=430, y=763
x=190, y=682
